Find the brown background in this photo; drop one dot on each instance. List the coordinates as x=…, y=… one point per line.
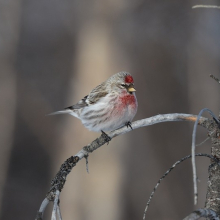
x=52, y=53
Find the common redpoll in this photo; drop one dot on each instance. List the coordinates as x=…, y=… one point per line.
x=109, y=106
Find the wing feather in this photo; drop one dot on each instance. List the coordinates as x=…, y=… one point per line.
x=82, y=103
x=97, y=93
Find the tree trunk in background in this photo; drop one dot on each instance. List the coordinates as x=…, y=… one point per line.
x=43, y=64
x=95, y=195
x=10, y=26
x=203, y=60
x=159, y=60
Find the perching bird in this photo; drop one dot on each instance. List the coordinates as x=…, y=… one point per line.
x=109, y=106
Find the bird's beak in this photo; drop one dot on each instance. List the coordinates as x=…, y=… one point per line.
x=131, y=89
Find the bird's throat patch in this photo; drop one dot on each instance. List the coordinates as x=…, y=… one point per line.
x=126, y=100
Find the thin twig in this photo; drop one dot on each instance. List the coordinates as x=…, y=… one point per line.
x=202, y=142
x=60, y=178
x=210, y=133
x=206, y=213
x=206, y=6
x=193, y=150
x=55, y=205
x=59, y=212
x=167, y=172
x=215, y=78
x=42, y=209
x=87, y=163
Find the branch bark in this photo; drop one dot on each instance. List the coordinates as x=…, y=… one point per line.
x=206, y=6
x=168, y=171
x=213, y=190
x=58, y=182
x=207, y=213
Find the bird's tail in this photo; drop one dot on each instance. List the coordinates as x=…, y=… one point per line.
x=66, y=111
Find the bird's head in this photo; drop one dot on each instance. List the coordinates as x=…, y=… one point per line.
x=123, y=82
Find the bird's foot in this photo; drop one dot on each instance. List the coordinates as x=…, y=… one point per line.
x=106, y=137
x=128, y=124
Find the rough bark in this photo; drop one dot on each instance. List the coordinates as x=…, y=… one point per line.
x=213, y=188
x=59, y=180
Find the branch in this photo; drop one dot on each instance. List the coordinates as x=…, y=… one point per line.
x=42, y=209
x=60, y=178
x=206, y=6
x=206, y=213
x=59, y=212
x=215, y=78
x=55, y=206
x=193, y=149
x=168, y=171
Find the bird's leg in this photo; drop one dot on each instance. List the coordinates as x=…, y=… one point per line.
x=106, y=137
x=128, y=124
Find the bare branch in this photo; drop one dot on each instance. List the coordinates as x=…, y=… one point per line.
x=215, y=78
x=55, y=205
x=42, y=209
x=206, y=6
x=168, y=171
x=206, y=213
x=193, y=150
x=60, y=178
x=59, y=212
x=202, y=142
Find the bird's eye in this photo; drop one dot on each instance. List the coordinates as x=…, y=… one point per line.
x=123, y=85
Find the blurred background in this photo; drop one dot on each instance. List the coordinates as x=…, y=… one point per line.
x=52, y=53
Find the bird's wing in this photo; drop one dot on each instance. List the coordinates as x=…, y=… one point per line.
x=97, y=93
x=82, y=103
x=94, y=96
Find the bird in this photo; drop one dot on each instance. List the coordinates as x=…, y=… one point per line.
x=109, y=106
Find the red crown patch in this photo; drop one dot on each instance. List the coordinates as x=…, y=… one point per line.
x=129, y=79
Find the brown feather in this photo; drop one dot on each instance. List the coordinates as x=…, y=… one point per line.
x=82, y=103
x=97, y=93
x=93, y=97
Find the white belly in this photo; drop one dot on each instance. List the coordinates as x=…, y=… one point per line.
x=107, y=115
